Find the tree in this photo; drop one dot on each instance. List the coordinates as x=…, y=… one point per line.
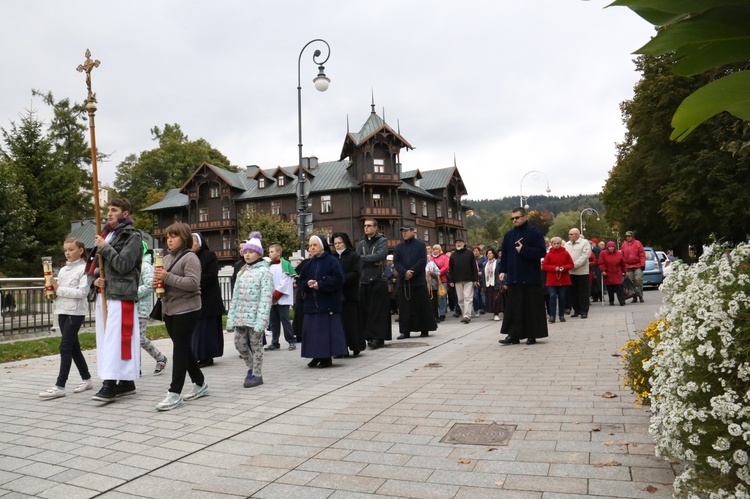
x=273, y=230
x=667, y=191
x=72, y=154
x=30, y=155
x=702, y=35
x=15, y=219
x=166, y=167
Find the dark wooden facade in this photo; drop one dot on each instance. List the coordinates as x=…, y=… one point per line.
x=366, y=182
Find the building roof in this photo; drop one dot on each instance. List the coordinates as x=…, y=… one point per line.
x=372, y=125
x=85, y=230
x=172, y=199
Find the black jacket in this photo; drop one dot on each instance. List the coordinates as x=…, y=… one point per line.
x=463, y=266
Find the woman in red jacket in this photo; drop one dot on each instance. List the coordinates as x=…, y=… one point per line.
x=557, y=265
x=612, y=266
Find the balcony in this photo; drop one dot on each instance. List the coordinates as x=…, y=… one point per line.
x=230, y=223
x=450, y=222
x=379, y=212
x=380, y=179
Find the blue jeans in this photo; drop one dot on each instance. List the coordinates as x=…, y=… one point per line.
x=279, y=319
x=557, y=294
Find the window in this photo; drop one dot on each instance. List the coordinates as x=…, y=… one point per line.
x=424, y=208
x=439, y=210
x=452, y=240
x=325, y=204
x=377, y=200
x=378, y=165
x=459, y=214
x=417, y=181
x=450, y=213
x=426, y=236
x=441, y=239
x=214, y=191
x=203, y=215
x=276, y=207
x=225, y=212
x=413, y=205
x=261, y=182
x=281, y=180
x=226, y=242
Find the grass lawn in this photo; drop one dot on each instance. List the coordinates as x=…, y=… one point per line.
x=30, y=349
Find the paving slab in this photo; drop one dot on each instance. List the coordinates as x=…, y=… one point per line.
x=370, y=426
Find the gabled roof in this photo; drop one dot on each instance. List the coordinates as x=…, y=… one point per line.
x=172, y=199
x=282, y=171
x=231, y=178
x=440, y=178
x=373, y=125
x=327, y=176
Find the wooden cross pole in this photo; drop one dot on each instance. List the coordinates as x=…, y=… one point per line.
x=86, y=67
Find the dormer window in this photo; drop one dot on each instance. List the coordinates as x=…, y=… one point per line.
x=281, y=180
x=378, y=165
x=261, y=182
x=416, y=181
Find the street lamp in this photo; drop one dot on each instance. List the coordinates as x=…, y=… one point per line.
x=535, y=175
x=321, y=84
x=588, y=210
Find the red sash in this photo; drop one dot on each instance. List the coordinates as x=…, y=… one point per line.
x=126, y=321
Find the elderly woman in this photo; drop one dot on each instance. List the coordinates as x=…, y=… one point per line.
x=208, y=337
x=321, y=282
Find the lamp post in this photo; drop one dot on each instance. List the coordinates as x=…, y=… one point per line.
x=321, y=84
x=588, y=210
x=535, y=175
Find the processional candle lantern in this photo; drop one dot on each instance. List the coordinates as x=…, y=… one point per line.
x=49, y=290
x=159, y=264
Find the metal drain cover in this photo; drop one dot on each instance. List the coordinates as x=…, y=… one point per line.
x=479, y=434
x=410, y=344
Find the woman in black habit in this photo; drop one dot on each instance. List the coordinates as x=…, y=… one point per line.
x=349, y=260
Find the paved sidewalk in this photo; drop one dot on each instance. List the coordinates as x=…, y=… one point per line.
x=369, y=426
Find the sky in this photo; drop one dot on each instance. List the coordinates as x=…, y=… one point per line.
x=500, y=88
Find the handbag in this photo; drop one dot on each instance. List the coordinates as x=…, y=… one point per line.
x=156, y=312
x=441, y=290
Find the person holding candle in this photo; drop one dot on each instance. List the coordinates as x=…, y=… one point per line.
x=70, y=308
x=118, y=346
x=181, y=305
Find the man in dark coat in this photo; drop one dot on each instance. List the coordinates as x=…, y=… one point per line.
x=464, y=277
x=414, y=308
x=520, y=268
x=374, y=317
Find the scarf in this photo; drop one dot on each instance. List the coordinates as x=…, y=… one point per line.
x=114, y=228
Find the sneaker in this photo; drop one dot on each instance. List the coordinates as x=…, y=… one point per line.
x=86, y=384
x=160, y=365
x=273, y=347
x=125, y=388
x=249, y=375
x=562, y=318
x=53, y=393
x=197, y=392
x=106, y=394
x=254, y=381
x=171, y=401
x=496, y=318
x=292, y=346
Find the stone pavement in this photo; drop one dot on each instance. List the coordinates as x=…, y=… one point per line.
x=368, y=427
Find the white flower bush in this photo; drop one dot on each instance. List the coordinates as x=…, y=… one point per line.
x=700, y=382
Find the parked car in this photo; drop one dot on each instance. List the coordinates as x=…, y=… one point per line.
x=666, y=263
x=654, y=273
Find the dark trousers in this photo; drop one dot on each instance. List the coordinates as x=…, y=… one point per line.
x=70, y=348
x=615, y=289
x=180, y=329
x=280, y=319
x=374, y=314
x=579, y=293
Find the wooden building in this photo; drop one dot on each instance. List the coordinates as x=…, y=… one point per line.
x=367, y=181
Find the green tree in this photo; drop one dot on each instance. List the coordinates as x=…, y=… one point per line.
x=702, y=35
x=667, y=191
x=30, y=155
x=72, y=154
x=16, y=217
x=273, y=230
x=166, y=167
x=562, y=223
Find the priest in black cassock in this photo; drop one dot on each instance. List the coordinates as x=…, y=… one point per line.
x=414, y=310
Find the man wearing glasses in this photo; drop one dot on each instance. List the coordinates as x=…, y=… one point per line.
x=375, y=318
x=521, y=272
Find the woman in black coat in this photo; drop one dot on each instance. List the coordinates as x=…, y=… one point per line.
x=208, y=338
x=349, y=259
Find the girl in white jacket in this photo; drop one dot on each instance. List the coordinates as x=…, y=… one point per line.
x=71, y=308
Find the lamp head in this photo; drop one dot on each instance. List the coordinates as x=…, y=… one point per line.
x=549, y=190
x=321, y=81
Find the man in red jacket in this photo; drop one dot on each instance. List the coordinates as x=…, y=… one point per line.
x=635, y=262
